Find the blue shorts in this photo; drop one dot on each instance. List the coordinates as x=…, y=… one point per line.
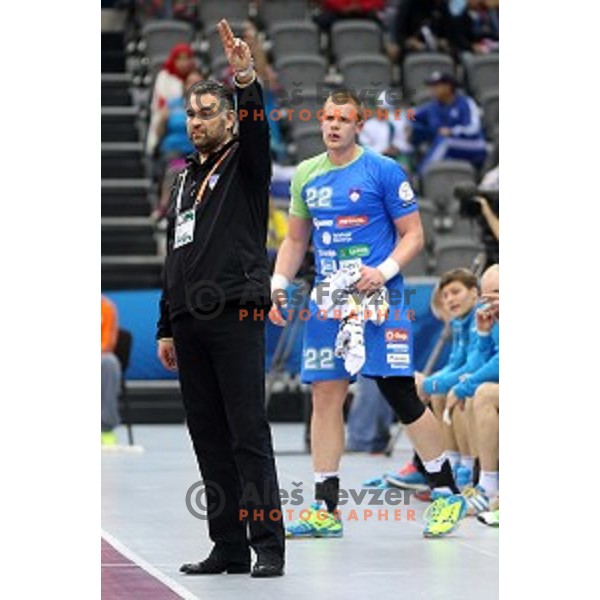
x=389, y=348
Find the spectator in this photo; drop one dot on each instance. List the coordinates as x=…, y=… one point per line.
x=420, y=25
x=476, y=28
x=169, y=84
x=335, y=10
x=449, y=123
x=386, y=134
x=111, y=373
x=479, y=394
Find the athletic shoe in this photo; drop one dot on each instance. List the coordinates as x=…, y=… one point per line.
x=108, y=438
x=476, y=500
x=490, y=517
x=319, y=523
x=463, y=476
x=444, y=515
x=423, y=496
x=407, y=478
x=436, y=494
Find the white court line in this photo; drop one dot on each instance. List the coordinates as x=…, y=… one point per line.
x=146, y=566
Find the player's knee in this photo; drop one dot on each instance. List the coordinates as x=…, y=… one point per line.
x=485, y=395
x=401, y=394
x=328, y=396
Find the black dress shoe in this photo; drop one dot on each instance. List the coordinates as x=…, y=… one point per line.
x=267, y=567
x=215, y=564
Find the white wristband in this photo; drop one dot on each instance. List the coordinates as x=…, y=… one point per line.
x=389, y=268
x=279, y=282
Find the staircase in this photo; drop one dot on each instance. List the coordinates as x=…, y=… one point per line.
x=129, y=248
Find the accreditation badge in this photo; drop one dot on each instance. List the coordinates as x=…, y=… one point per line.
x=184, y=228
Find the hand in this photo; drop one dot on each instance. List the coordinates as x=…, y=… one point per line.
x=237, y=51
x=485, y=320
x=166, y=354
x=276, y=317
x=452, y=400
x=370, y=279
x=445, y=131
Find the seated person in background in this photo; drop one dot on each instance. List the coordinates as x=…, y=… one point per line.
x=476, y=29
x=386, y=134
x=449, y=123
x=459, y=292
x=169, y=84
x=111, y=373
x=174, y=143
x=420, y=26
x=335, y=10
x=473, y=403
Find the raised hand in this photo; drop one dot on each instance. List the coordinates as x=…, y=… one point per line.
x=237, y=50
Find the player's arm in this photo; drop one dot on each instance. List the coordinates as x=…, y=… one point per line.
x=292, y=250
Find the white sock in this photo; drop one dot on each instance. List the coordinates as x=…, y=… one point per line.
x=453, y=456
x=467, y=461
x=434, y=465
x=321, y=476
x=488, y=480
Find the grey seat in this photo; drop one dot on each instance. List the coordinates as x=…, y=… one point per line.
x=306, y=112
x=482, y=74
x=355, y=37
x=308, y=142
x=440, y=178
x=215, y=47
x=273, y=11
x=161, y=36
x=455, y=252
x=367, y=74
x=212, y=11
x=301, y=72
x=294, y=37
x=490, y=103
x=419, y=266
x=417, y=67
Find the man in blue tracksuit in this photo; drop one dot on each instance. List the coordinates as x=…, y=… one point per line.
x=450, y=123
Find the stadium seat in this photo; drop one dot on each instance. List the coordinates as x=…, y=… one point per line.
x=212, y=11
x=273, y=11
x=367, y=74
x=307, y=102
x=301, y=72
x=419, y=266
x=490, y=103
x=125, y=197
x=308, y=142
x=295, y=37
x=119, y=124
x=455, y=252
x=349, y=38
x=122, y=160
x=417, y=67
x=439, y=179
x=482, y=73
x=161, y=36
x=128, y=236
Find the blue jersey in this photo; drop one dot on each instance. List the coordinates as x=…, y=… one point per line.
x=352, y=208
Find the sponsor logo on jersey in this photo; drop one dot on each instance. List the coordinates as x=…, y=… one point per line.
x=352, y=220
x=397, y=347
x=406, y=193
x=318, y=223
x=326, y=237
x=345, y=237
x=357, y=251
x=399, y=359
x=354, y=194
x=396, y=334
x=328, y=266
x=326, y=253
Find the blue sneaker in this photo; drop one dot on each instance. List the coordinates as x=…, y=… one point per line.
x=374, y=482
x=407, y=478
x=319, y=523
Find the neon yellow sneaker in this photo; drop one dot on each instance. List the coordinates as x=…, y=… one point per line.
x=108, y=438
x=443, y=516
x=316, y=522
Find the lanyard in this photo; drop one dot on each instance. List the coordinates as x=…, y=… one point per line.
x=209, y=175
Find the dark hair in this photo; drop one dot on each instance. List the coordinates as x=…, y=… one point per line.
x=347, y=96
x=210, y=86
x=464, y=276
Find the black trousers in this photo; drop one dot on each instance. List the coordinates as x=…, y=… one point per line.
x=221, y=370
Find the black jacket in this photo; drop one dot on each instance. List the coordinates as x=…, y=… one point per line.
x=227, y=260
